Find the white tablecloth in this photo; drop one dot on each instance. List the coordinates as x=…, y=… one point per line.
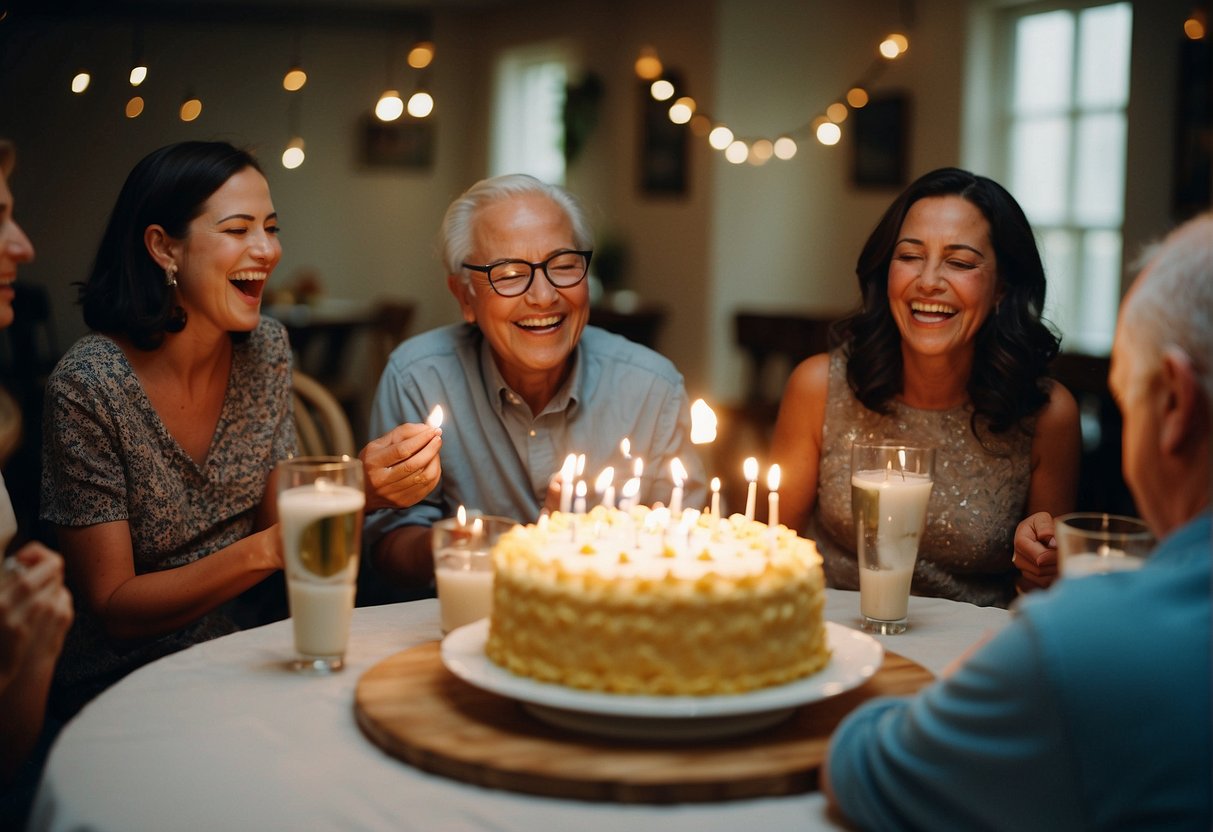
x=224, y=736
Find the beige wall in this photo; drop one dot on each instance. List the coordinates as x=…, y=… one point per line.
x=781, y=236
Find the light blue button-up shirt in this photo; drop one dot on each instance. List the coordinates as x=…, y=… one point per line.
x=497, y=457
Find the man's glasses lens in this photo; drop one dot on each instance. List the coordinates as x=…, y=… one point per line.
x=564, y=269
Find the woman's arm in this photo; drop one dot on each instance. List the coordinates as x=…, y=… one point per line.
x=796, y=445
x=1052, y=490
x=101, y=568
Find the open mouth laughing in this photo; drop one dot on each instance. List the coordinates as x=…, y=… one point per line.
x=250, y=283
x=932, y=313
x=540, y=324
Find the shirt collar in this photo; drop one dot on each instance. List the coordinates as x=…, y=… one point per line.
x=500, y=393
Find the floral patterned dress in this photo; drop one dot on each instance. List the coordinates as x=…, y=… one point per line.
x=108, y=457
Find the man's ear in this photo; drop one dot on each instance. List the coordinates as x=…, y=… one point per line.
x=462, y=292
x=1181, y=401
x=161, y=247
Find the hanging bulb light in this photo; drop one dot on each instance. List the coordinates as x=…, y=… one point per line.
x=648, y=65
x=421, y=55
x=420, y=104
x=294, y=79
x=138, y=67
x=293, y=156
x=894, y=46
x=390, y=106
x=720, y=137
x=737, y=152
x=857, y=97
x=80, y=81
x=785, y=147
x=134, y=107
x=191, y=107
x=661, y=90
x=761, y=152
x=682, y=110
x=828, y=133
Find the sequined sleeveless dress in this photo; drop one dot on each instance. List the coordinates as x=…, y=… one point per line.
x=978, y=498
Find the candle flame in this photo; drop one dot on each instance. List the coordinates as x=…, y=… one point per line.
x=638, y=468
x=677, y=471
x=567, y=470
x=580, y=464
x=580, y=490
x=604, y=479
x=750, y=469
x=773, y=478
x=703, y=423
x=462, y=516
x=631, y=488
x=478, y=526
x=901, y=458
x=625, y=446
x=434, y=420
x=715, y=484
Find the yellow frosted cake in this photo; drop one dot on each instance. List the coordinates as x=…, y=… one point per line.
x=634, y=602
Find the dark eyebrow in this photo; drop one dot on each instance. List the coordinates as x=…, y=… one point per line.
x=245, y=217
x=951, y=247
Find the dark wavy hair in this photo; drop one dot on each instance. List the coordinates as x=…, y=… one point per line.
x=125, y=293
x=1014, y=346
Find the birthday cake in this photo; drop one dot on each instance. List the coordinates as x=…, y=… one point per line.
x=637, y=602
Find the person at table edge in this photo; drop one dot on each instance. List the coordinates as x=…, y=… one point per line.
x=523, y=383
x=1091, y=710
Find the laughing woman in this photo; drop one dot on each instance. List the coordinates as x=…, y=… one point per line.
x=948, y=350
x=164, y=424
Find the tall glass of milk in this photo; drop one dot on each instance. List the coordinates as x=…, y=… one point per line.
x=320, y=505
x=890, y=488
x=463, y=565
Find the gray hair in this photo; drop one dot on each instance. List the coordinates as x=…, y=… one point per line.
x=8, y=157
x=460, y=216
x=1172, y=305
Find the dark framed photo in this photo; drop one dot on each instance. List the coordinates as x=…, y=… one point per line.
x=663, y=146
x=881, y=135
x=407, y=144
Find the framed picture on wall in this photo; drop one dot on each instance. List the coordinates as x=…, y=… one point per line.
x=880, y=135
x=400, y=144
x=663, y=146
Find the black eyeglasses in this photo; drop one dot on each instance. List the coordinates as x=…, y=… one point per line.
x=511, y=278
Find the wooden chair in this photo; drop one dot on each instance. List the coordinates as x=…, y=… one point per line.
x=320, y=423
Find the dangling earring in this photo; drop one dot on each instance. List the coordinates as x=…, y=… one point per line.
x=170, y=275
x=176, y=320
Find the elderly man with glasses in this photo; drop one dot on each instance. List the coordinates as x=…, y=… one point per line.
x=523, y=383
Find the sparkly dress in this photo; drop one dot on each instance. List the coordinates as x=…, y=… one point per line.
x=979, y=495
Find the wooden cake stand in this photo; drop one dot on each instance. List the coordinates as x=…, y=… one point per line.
x=413, y=708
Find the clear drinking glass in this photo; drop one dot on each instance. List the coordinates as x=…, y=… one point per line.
x=890, y=487
x=1091, y=543
x=320, y=506
x=463, y=566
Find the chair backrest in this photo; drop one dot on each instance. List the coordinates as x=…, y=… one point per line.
x=320, y=423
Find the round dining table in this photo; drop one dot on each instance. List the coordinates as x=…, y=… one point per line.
x=224, y=735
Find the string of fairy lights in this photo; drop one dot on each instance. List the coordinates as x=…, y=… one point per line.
x=825, y=126
x=390, y=107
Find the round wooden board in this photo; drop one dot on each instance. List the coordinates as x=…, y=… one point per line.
x=413, y=708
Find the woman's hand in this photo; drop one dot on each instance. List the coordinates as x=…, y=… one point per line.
x=402, y=466
x=1035, y=552
x=35, y=609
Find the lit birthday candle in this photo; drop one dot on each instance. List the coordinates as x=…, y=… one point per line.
x=716, y=497
x=629, y=494
x=625, y=447
x=605, y=485
x=773, y=497
x=679, y=474
x=579, y=502
x=567, y=472
x=750, y=469
x=434, y=420
x=461, y=516
x=703, y=423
